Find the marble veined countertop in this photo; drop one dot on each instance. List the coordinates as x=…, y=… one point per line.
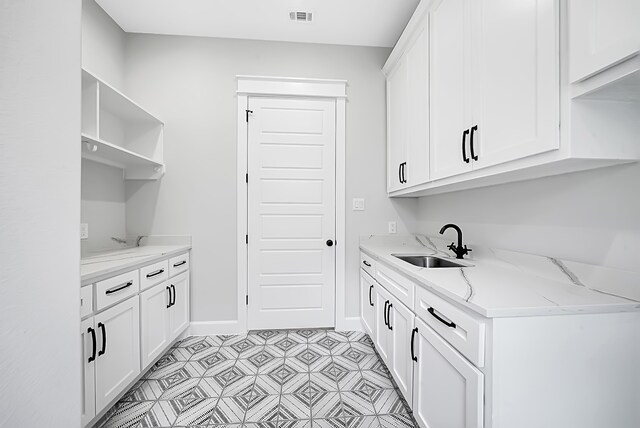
x=500, y=283
x=97, y=266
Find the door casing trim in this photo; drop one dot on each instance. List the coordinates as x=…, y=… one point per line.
x=290, y=87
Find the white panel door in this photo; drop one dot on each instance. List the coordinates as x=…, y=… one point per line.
x=516, y=95
x=291, y=205
x=367, y=303
x=118, y=358
x=382, y=334
x=449, y=87
x=179, y=310
x=601, y=34
x=401, y=323
x=154, y=322
x=448, y=389
x=397, y=93
x=89, y=352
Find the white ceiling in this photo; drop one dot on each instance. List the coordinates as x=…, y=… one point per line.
x=343, y=22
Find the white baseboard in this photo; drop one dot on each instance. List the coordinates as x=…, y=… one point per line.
x=349, y=324
x=212, y=328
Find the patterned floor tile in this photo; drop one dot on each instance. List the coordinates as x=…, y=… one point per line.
x=179, y=354
x=190, y=341
x=196, y=412
x=242, y=385
x=209, y=387
x=356, y=404
x=321, y=350
x=376, y=381
x=362, y=422
x=143, y=390
x=329, y=423
x=324, y=381
x=368, y=362
x=254, y=425
x=363, y=347
x=326, y=405
x=352, y=381
x=204, y=353
x=396, y=421
x=387, y=401
x=162, y=369
x=337, y=335
x=293, y=383
x=295, y=424
x=266, y=385
x=294, y=406
x=162, y=414
x=229, y=410
x=128, y=414
x=173, y=390
x=345, y=363
x=263, y=408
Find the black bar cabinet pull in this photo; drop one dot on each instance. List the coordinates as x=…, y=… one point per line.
x=384, y=313
x=442, y=320
x=473, y=155
x=366, y=263
x=389, y=316
x=464, y=145
x=169, y=290
x=121, y=287
x=104, y=338
x=93, y=344
x=179, y=263
x=370, y=290
x=152, y=274
x=173, y=288
x=413, y=337
x=400, y=173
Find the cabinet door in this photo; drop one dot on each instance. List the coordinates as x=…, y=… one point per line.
x=602, y=33
x=417, y=144
x=382, y=333
x=396, y=124
x=154, y=322
x=179, y=310
x=367, y=303
x=514, y=80
x=401, y=321
x=449, y=84
x=89, y=352
x=118, y=359
x=448, y=390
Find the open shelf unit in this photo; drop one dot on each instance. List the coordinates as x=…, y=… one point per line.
x=116, y=131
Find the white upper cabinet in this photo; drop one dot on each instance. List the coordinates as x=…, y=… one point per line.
x=408, y=113
x=602, y=33
x=489, y=107
x=515, y=81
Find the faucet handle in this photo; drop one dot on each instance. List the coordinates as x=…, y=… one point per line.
x=466, y=250
x=452, y=247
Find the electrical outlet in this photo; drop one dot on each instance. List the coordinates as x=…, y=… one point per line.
x=84, y=230
x=392, y=227
x=358, y=204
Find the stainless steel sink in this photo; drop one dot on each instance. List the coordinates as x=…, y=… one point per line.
x=427, y=261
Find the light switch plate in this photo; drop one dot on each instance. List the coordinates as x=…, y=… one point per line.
x=358, y=204
x=84, y=230
x=392, y=227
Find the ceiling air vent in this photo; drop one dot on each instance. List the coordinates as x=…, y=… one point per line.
x=301, y=16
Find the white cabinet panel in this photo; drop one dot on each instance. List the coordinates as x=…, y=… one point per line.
x=601, y=34
x=401, y=287
x=179, y=264
x=118, y=358
x=153, y=274
x=401, y=321
x=396, y=125
x=448, y=390
x=154, y=322
x=88, y=343
x=117, y=289
x=179, y=310
x=367, y=303
x=86, y=300
x=382, y=338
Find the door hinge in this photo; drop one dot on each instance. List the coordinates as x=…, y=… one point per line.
x=246, y=237
x=247, y=114
x=247, y=300
x=246, y=178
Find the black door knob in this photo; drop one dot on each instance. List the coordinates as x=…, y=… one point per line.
x=329, y=243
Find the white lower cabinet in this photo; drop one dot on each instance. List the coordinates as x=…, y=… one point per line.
x=88, y=344
x=448, y=390
x=367, y=303
x=401, y=321
x=382, y=337
x=154, y=322
x=179, y=305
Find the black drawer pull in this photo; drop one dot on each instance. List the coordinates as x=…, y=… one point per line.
x=370, y=290
x=389, y=316
x=464, y=146
x=473, y=155
x=442, y=320
x=173, y=287
x=366, y=263
x=152, y=274
x=413, y=337
x=384, y=313
x=102, y=327
x=180, y=263
x=169, y=303
x=118, y=288
x=93, y=344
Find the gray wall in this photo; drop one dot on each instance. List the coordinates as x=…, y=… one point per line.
x=591, y=217
x=40, y=213
x=190, y=84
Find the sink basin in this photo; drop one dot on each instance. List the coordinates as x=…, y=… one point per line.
x=428, y=261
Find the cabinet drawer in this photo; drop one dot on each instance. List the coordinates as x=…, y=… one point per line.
x=463, y=331
x=178, y=264
x=154, y=274
x=116, y=289
x=402, y=288
x=368, y=264
x=86, y=300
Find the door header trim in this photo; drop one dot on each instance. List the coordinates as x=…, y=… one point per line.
x=291, y=86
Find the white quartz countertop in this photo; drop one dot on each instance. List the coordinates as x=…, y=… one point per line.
x=98, y=265
x=500, y=283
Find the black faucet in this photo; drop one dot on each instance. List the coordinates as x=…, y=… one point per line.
x=457, y=249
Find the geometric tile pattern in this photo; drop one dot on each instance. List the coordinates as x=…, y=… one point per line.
x=311, y=378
